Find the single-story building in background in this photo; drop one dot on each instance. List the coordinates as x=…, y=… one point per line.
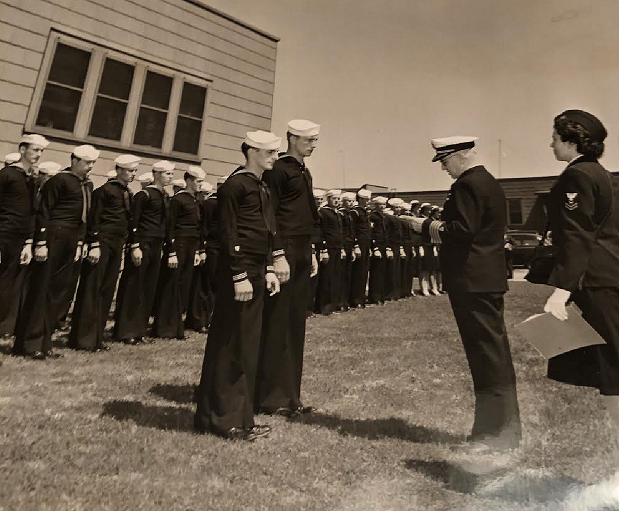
x=162, y=79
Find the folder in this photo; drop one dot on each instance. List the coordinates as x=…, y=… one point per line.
x=551, y=336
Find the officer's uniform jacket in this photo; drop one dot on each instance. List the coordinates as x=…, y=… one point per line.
x=471, y=231
x=578, y=204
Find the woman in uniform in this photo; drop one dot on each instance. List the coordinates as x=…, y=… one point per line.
x=585, y=224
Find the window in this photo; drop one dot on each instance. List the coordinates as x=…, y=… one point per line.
x=105, y=96
x=514, y=211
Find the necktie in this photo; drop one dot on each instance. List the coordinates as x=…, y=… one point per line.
x=127, y=200
x=265, y=206
x=85, y=200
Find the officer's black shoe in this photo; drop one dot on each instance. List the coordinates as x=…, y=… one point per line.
x=53, y=354
x=260, y=430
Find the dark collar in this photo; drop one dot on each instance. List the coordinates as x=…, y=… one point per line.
x=476, y=168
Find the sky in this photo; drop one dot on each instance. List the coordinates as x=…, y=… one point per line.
x=383, y=77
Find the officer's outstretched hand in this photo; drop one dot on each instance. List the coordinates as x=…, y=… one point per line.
x=26, y=254
x=556, y=303
x=136, y=256
x=173, y=262
x=40, y=253
x=314, y=271
x=94, y=255
x=243, y=291
x=272, y=283
x=282, y=269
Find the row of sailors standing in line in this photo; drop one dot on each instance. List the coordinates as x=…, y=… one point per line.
x=55, y=219
x=367, y=240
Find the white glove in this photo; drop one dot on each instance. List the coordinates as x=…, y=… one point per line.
x=556, y=303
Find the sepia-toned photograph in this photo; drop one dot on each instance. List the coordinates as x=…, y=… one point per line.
x=309, y=255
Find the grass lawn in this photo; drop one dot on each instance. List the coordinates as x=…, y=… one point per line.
x=113, y=431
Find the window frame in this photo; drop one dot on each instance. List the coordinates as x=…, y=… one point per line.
x=509, y=210
x=99, y=52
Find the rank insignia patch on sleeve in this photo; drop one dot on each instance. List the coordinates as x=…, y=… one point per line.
x=571, y=203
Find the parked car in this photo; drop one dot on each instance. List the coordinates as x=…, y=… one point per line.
x=523, y=243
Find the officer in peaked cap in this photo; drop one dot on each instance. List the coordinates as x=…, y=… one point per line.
x=106, y=234
x=60, y=228
x=283, y=340
x=473, y=223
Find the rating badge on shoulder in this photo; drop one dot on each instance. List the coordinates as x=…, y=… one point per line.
x=571, y=203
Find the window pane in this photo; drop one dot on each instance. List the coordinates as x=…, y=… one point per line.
x=69, y=66
x=187, y=137
x=116, y=79
x=515, y=211
x=157, y=90
x=59, y=108
x=108, y=118
x=150, y=128
x=192, y=100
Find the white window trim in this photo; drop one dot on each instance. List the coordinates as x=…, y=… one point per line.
x=99, y=52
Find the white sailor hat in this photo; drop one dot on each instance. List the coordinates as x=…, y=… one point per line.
x=425, y=205
x=405, y=206
x=180, y=183
x=35, y=139
x=395, y=201
x=163, y=166
x=379, y=199
x=86, y=152
x=414, y=202
x=11, y=158
x=348, y=196
x=51, y=168
x=435, y=208
x=263, y=140
x=147, y=177
x=205, y=186
x=445, y=147
x=195, y=171
x=318, y=193
x=388, y=211
x=111, y=174
x=364, y=194
x=303, y=128
x=127, y=161
x=333, y=193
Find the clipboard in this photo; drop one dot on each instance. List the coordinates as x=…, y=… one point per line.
x=551, y=336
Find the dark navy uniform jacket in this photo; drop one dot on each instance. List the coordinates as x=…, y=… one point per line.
x=148, y=215
x=110, y=212
x=16, y=202
x=472, y=255
x=361, y=222
x=578, y=203
x=331, y=225
x=378, y=229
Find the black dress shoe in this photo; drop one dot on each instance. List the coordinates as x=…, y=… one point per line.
x=132, y=341
x=241, y=434
x=35, y=355
x=102, y=348
x=53, y=354
x=282, y=411
x=303, y=410
x=260, y=430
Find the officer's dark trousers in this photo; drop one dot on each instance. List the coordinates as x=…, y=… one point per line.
x=283, y=332
x=95, y=294
x=378, y=267
x=480, y=321
x=346, y=278
x=359, y=276
x=12, y=278
x=329, y=283
x=47, y=285
x=173, y=291
x=225, y=396
x=136, y=291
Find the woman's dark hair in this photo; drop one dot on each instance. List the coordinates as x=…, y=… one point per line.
x=571, y=131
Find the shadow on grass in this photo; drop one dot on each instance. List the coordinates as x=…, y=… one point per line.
x=167, y=418
x=183, y=394
x=504, y=482
x=374, y=429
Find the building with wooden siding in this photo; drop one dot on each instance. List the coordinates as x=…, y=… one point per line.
x=163, y=79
